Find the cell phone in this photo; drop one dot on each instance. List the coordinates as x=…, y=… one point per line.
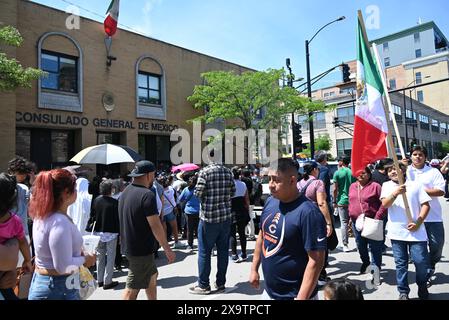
x=446, y=158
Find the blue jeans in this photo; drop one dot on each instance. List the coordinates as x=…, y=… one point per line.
x=343, y=212
x=362, y=246
x=209, y=235
x=52, y=288
x=420, y=257
x=435, y=233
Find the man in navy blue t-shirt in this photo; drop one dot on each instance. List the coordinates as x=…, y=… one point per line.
x=292, y=241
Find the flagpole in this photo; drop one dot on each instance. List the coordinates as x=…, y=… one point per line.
x=387, y=98
x=387, y=117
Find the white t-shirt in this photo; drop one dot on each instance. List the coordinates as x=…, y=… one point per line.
x=397, y=218
x=169, y=201
x=240, y=188
x=430, y=178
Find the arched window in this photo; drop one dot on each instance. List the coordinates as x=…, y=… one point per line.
x=150, y=89
x=61, y=57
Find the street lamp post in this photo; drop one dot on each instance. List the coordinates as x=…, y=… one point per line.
x=309, y=86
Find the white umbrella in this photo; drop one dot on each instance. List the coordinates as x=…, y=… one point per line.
x=106, y=154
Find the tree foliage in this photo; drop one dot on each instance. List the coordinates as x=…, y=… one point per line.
x=12, y=74
x=254, y=98
x=323, y=142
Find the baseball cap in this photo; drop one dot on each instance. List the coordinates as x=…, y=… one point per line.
x=141, y=168
x=435, y=162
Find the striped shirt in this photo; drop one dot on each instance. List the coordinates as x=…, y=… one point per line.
x=215, y=188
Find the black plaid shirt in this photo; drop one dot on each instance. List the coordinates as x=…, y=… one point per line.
x=215, y=188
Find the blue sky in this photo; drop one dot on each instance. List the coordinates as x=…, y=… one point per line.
x=260, y=34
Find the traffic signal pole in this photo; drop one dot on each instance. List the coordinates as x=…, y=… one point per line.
x=294, y=131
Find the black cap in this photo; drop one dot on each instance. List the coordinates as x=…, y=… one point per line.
x=141, y=168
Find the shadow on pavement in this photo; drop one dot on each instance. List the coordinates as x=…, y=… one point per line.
x=245, y=288
x=174, y=282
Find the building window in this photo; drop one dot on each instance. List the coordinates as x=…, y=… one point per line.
x=417, y=37
x=387, y=62
x=397, y=113
x=424, y=122
x=410, y=117
x=392, y=84
x=418, y=78
x=435, y=126
x=397, y=110
x=346, y=115
x=420, y=96
x=319, y=121
x=418, y=53
x=344, y=147
x=149, y=88
x=303, y=120
x=62, y=72
x=385, y=45
x=443, y=128
x=151, y=94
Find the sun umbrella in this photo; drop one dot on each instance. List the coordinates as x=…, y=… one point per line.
x=185, y=167
x=106, y=154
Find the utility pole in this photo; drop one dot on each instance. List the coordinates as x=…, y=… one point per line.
x=290, y=84
x=309, y=95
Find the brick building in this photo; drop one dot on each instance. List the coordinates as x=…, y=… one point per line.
x=137, y=101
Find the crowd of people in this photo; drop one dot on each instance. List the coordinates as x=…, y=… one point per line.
x=43, y=217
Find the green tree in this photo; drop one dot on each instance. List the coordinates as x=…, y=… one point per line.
x=254, y=99
x=12, y=74
x=323, y=142
x=443, y=149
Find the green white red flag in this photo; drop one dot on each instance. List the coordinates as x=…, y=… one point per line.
x=111, y=21
x=370, y=123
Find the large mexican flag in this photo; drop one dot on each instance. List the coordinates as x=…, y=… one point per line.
x=370, y=126
x=111, y=21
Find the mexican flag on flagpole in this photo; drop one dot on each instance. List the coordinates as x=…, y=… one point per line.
x=370, y=123
x=110, y=23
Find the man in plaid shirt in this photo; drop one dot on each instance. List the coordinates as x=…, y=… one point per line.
x=214, y=189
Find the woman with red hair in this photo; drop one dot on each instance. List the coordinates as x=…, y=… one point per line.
x=57, y=241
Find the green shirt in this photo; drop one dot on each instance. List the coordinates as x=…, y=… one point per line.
x=343, y=178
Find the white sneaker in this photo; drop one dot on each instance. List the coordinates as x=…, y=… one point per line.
x=178, y=245
x=346, y=248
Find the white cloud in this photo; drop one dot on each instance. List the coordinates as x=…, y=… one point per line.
x=146, y=27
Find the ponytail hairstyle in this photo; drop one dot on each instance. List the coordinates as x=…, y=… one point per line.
x=308, y=167
x=48, y=190
x=8, y=192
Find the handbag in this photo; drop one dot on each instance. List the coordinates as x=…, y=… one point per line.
x=88, y=284
x=370, y=228
x=373, y=229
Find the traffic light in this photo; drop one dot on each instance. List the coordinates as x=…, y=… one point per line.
x=346, y=72
x=413, y=143
x=297, y=137
x=335, y=122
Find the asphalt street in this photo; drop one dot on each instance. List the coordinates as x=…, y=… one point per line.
x=175, y=279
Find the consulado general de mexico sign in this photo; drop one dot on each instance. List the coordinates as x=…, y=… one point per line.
x=68, y=120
